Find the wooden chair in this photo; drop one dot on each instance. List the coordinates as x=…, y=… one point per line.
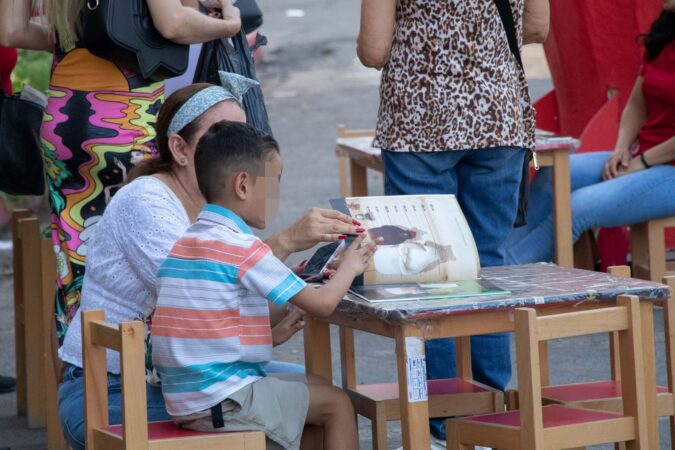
x=534, y=426
x=37, y=366
x=648, y=247
x=606, y=395
x=135, y=432
x=459, y=396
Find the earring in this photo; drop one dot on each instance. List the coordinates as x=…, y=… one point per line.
x=183, y=162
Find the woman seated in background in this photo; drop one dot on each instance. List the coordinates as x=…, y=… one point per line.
x=632, y=184
x=139, y=227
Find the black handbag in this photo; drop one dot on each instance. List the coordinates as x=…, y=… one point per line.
x=122, y=32
x=234, y=55
x=251, y=15
x=21, y=169
x=506, y=16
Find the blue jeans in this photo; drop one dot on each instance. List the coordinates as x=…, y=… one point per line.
x=486, y=183
x=637, y=197
x=71, y=401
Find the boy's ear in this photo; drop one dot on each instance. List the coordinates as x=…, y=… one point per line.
x=242, y=185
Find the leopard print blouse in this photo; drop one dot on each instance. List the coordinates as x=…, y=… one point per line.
x=451, y=82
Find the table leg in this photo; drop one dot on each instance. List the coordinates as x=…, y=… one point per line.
x=359, y=178
x=347, y=358
x=562, y=210
x=316, y=336
x=343, y=168
x=647, y=318
x=412, y=374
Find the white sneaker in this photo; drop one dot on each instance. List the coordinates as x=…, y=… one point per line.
x=438, y=444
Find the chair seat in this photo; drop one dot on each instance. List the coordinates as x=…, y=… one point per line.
x=580, y=392
x=164, y=429
x=553, y=415
x=447, y=386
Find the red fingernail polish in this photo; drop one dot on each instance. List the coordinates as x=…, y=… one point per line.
x=342, y=237
x=356, y=222
x=303, y=263
x=360, y=230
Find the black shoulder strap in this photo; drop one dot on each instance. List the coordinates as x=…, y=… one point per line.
x=504, y=8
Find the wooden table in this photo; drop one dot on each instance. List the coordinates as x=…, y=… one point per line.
x=547, y=287
x=356, y=156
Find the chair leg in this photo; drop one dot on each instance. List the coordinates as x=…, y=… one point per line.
x=511, y=397
x=19, y=324
x=453, y=437
x=657, y=250
x=379, y=426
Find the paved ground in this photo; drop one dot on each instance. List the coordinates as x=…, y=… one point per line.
x=312, y=83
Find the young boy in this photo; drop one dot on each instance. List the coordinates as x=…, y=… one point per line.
x=211, y=329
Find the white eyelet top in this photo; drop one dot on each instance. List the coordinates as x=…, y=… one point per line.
x=140, y=225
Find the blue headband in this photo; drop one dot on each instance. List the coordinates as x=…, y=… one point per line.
x=233, y=87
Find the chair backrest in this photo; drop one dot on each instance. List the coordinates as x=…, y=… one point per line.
x=38, y=366
x=531, y=329
x=343, y=132
x=126, y=338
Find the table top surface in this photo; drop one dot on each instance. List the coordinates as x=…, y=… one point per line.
x=528, y=285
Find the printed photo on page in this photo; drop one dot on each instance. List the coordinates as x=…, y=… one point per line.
x=421, y=239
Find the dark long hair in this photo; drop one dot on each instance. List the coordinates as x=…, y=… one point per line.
x=661, y=33
x=164, y=161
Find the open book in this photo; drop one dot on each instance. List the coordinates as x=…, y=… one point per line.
x=425, y=248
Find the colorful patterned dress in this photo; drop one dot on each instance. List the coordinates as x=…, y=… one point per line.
x=98, y=123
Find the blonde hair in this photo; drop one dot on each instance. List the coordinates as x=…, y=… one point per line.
x=63, y=18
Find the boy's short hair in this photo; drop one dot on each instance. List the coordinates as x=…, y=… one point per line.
x=229, y=147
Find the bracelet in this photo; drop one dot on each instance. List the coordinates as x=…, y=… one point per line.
x=644, y=162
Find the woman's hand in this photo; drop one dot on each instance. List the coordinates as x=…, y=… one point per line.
x=185, y=25
x=288, y=326
x=615, y=164
x=318, y=225
x=230, y=12
x=635, y=165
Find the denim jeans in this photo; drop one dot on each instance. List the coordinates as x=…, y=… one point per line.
x=633, y=198
x=486, y=183
x=71, y=401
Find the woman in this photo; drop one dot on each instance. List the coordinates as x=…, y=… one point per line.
x=455, y=118
x=8, y=57
x=632, y=184
x=139, y=227
x=99, y=118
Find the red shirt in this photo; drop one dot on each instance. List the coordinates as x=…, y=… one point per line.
x=7, y=62
x=658, y=88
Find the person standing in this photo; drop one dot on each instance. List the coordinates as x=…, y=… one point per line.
x=99, y=120
x=455, y=117
x=8, y=58
x=632, y=183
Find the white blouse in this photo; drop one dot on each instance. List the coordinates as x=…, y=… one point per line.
x=140, y=225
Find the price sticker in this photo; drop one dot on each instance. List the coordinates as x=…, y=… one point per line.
x=416, y=370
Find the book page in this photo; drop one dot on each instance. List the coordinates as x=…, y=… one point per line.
x=425, y=239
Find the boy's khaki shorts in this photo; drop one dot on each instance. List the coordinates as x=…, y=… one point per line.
x=276, y=406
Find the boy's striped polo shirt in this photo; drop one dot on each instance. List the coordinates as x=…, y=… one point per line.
x=211, y=331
